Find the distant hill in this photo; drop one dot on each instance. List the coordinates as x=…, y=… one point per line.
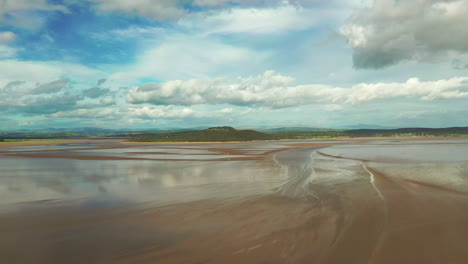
x=83, y=132
x=210, y=134
x=450, y=131
x=76, y=130
x=224, y=133
x=289, y=129
x=367, y=126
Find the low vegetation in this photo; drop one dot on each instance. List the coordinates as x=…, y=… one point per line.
x=227, y=134
x=307, y=134
x=230, y=134
x=445, y=132
x=210, y=134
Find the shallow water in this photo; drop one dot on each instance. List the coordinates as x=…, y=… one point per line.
x=355, y=201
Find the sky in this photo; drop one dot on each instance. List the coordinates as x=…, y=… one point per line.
x=244, y=63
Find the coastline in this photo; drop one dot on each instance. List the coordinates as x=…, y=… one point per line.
x=34, y=142
x=54, y=142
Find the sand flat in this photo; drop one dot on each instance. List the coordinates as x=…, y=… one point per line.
x=283, y=202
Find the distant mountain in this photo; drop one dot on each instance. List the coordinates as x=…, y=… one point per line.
x=368, y=126
x=210, y=134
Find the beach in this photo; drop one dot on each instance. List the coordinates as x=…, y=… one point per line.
x=335, y=201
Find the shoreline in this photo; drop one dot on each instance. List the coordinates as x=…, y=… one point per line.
x=35, y=142
x=292, y=139
x=54, y=142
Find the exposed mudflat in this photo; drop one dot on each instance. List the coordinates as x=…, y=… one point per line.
x=349, y=201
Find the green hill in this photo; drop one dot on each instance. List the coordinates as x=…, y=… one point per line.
x=210, y=134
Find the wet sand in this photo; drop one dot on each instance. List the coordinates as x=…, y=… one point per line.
x=351, y=201
x=40, y=142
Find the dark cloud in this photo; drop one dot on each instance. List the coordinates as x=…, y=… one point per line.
x=459, y=65
x=12, y=84
x=95, y=92
x=101, y=81
x=51, y=87
x=48, y=104
x=393, y=31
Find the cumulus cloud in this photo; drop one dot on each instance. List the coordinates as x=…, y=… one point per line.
x=150, y=112
x=21, y=97
x=37, y=88
x=45, y=104
x=273, y=90
x=392, y=31
x=170, y=112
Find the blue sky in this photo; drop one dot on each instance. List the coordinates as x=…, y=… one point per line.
x=245, y=63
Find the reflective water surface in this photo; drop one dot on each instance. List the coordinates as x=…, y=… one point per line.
x=348, y=201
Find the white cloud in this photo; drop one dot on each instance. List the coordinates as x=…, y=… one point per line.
x=156, y=9
x=136, y=32
x=222, y=2
x=6, y=51
x=107, y=101
x=275, y=19
x=393, y=31
x=18, y=12
x=170, y=112
x=151, y=112
x=276, y=91
x=42, y=87
x=191, y=57
x=352, y=3
x=45, y=71
x=7, y=37
x=7, y=6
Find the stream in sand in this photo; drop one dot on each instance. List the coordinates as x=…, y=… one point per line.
x=350, y=201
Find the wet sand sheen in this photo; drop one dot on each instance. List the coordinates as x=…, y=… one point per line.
x=293, y=203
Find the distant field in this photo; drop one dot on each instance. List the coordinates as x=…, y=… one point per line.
x=30, y=139
x=41, y=141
